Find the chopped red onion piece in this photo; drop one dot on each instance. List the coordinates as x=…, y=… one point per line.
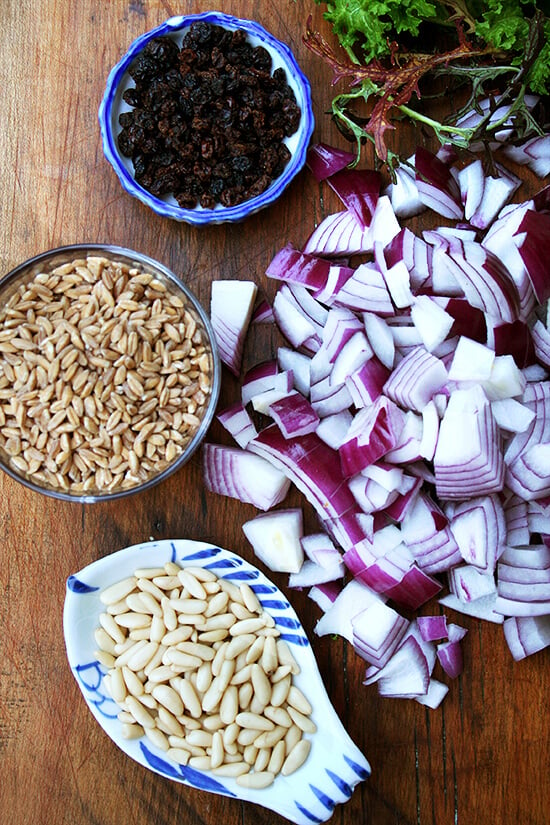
x=354, y=598
x=380, y=339
x=366, y=291
x=289, y=264
x=333, y=428
x=436, y=186
x=526, y=635
x=485, y=281
x=432, y=321
x=311, y=465
x=366, y=383
x=403, y=193
x=324, y=160
x=533, y=241
x=472, y=361
x=339, y=234
x=358, y=189
x=471, y=180
x=483, y=608
x=276, y=539
x=450, y=658
x=469, y=583
x=373, y=432
x=325, y=594
x=426, y=532
x=435, y=695
x=406, y=675
x=468, y=460
x=294, y=415
x=239, y=474
x=432, y=628
x=338, y=275
x=479, y=528
x=237, y=421
x=311, y=574
x=231, y=306
x=416, y=379
x=377, y=632
x=541, y=342
x=263, y=314
x=512, y=416
x=298, y=364
x=263, y=376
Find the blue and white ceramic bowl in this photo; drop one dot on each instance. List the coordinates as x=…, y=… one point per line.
x=112, y=105
x=334, y=765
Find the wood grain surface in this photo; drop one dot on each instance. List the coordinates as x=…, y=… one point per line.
x=482, y=758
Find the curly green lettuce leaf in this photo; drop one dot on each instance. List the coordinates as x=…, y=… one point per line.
x=369, y=24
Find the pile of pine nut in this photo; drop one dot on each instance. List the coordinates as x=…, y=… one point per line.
x=197, y=666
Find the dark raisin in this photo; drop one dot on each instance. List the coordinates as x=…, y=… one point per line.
x=132, y=96
x=163, y=50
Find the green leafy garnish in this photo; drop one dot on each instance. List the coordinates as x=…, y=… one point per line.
x=499, y=48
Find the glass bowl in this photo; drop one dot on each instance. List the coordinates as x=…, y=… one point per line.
x=112, y=105
x=109, y=372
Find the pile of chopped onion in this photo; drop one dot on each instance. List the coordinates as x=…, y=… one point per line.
x=410, y=404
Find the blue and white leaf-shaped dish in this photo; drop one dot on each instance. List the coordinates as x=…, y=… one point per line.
x=112, y=105
x=335, y=765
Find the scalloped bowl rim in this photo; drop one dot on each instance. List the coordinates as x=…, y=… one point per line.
x=335, y=764
x=220, y=214
x=144, y=260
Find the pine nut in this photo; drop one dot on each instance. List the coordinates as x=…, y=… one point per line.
x=229, y=706
x=118, y=591
x=132, y=731
x=277, y=757
x=297, y=700
x=239, y=644
x=304, y=722
x=168, y=697
x=179, y=634
x=261, y=685
x=262, y=760
x=218, y=753
x=201, y=763
x=245, y=695
x=279, y=692
x=143, y=656
x=269, y=659
x=253, y=720
x=178, y=755
x=246, y=626
x=158, y=738
x=140, y=714
x=286, y=658
x=269, y=738
x=296, y=757
x=292, y=737
x=233, y=769
x=250, y=599
x=256, y=780
x=133, y=682
x=111, y=627
x=192, y=584
x=278, y=715
x=256, y=650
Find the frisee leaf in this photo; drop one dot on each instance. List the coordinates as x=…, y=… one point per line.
x=501, y=48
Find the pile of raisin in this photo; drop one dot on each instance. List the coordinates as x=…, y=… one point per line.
x=208, y=119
